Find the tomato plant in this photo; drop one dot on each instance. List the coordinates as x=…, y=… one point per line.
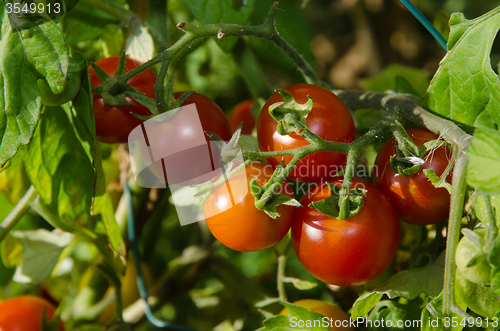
x=334, y=313
x=76, y=201
x=242, y=227
x=242, y=113
x=329, y=119
x=114, y=123
x=415, y=198
x=346, y=252
x=24, y=313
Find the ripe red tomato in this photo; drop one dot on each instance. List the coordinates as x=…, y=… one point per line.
x=24, y=313
x=242, y=112
x=346, y=252
x=242, y=226
x=192, y=163
x=336, y=316
x=329, y=119
x=416, y=200
x=114, y=123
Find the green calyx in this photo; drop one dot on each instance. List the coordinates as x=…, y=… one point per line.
x=330, y=206
x=266, y=197
x=290, y=115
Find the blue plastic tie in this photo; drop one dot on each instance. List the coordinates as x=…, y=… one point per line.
x=137, y=257
x=425, y=22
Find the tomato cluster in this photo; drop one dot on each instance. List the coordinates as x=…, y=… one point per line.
x=345, y=252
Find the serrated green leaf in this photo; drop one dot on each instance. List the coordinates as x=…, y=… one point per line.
x=483, y=170
x=60, y=170
x=465, y=88
x=47, y=54
x=407, y=284
x=365, y=303
x=41, y=250
x=298, y=318
x=20, y=103
x=221, y=11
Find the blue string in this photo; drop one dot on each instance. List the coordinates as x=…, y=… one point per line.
x=140, y=281
x=428, y=25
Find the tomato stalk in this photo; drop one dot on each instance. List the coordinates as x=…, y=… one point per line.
x=281, y=277
x=459, y=186
x=17, y=213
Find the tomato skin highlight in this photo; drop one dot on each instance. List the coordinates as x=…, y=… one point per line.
x=242, y=112
x=114, y=123
x=346, y=252
x=416, y=200
x=329, y=119
x=24, y=313
x=324, y=308
x=243, y=227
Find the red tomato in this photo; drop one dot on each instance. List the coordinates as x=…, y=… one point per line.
x=24, y=313
x=192, y=163
x=416, y=200
x=346, y=252
x=242, y=112
x=242, y=226
x=329, y=119
x=114, y=123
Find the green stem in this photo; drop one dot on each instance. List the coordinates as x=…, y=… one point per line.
x=492, y=231
x=17, y=213
x=281, y=276
x=266, y=31
x=459, y=187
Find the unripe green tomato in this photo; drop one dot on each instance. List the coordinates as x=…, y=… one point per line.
x=478, y=273
x=478, y=297
x=49, y=98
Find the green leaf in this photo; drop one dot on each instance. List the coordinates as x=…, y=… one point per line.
x=494, y=259
x=60, y=170
x=407, y=284
x=221, y=11
x=41, y=250
x=365, y=304
x=47, y=54
x=330, y=205
x=480, y=208
x=393, y=312
x=436, y=181
x=387, y=80
x=86, y=23
x=103, y=208
x=300, y=284
x=298, y=318
x=483, y=170
x=12, y=251
x=140, y=46
x=465, y=88
x=14, y=173
x=19, y=98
